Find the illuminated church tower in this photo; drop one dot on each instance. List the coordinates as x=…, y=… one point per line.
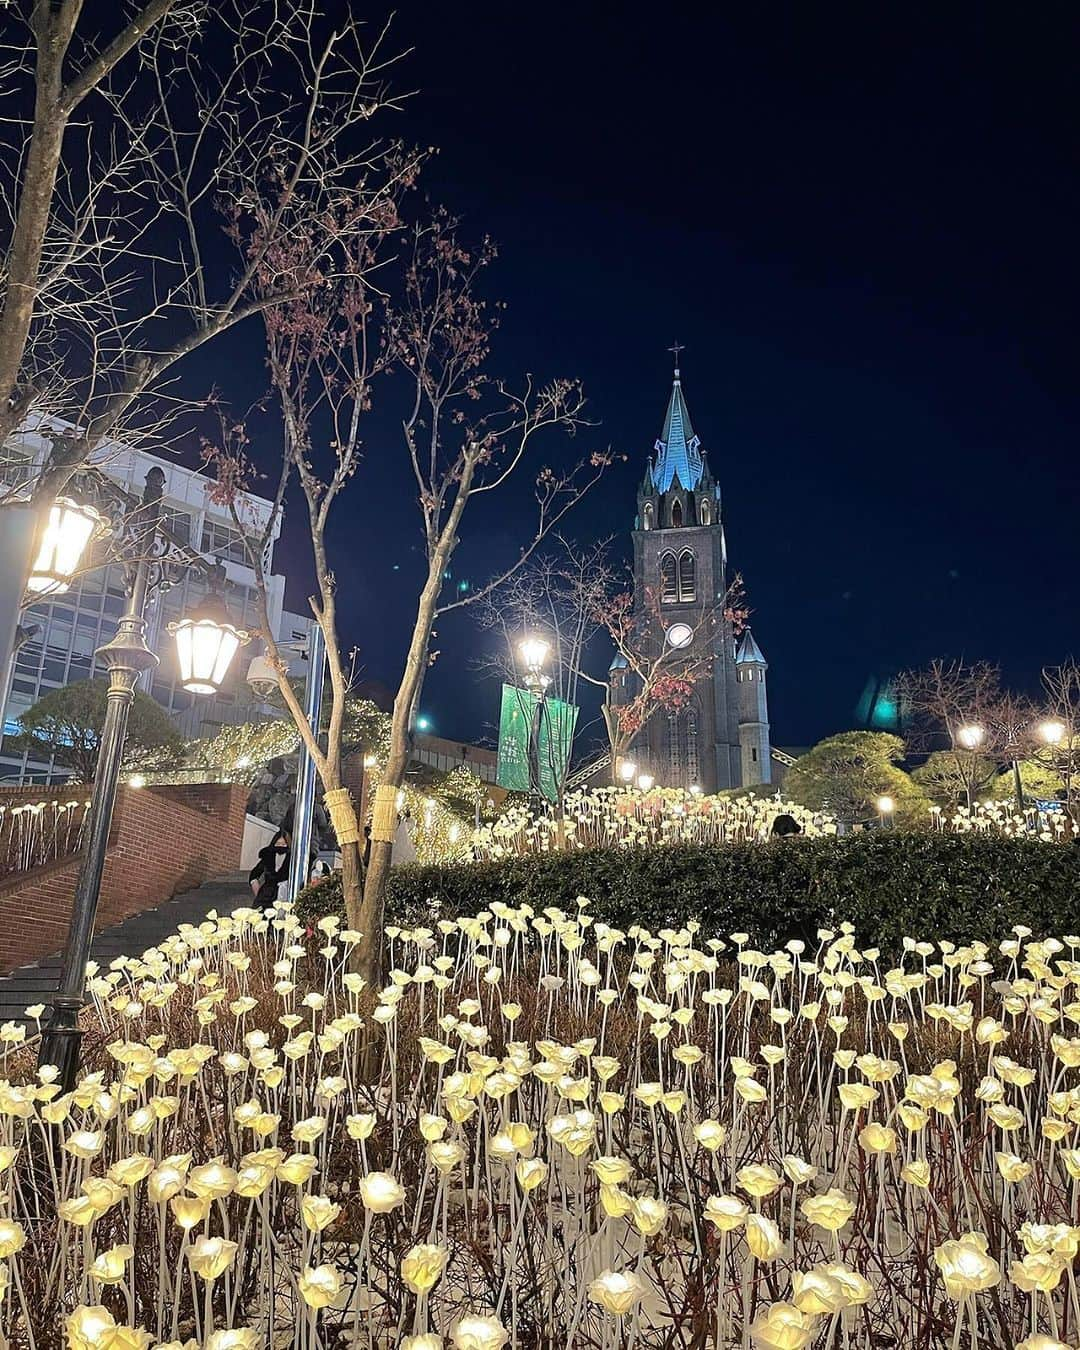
x=721, y=738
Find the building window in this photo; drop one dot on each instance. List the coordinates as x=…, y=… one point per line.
x=753, y=753
x=669, y=583
x=674, y=748
x=676, y=514
x=705, y=512
x=687, y=577
x=692, y=767
x=647, y=515
x=224, y=541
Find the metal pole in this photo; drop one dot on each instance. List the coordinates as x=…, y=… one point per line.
x=1018, y=786
x=534, y=739
x=304, y=810
x=125, y=658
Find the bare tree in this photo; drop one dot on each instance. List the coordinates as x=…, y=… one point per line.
x=138, y=146
x=961, y=711
x=654, y=675
x=466, y=436
x=325, y=349
x=1061, y=729
x=550, y=597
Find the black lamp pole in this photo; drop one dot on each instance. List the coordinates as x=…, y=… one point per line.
x=125, y=657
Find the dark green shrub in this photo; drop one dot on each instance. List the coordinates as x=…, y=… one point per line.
x=888, y=883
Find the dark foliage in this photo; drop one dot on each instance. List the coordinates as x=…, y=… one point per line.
x=888, y=883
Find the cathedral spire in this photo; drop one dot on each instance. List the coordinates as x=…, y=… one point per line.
x=678, y=451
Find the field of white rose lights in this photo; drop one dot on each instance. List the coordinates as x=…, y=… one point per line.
x=546, y=1133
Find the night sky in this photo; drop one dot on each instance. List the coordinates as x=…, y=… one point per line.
x=862, y=222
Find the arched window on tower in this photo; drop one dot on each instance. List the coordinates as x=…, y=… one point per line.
x=693, y=769
x=687, y=576
x=646, y=516
x=674, y=749
x=705, y=514
x=669, y=580
x=676, y=514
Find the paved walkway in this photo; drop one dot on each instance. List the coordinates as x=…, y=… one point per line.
x=35, y=984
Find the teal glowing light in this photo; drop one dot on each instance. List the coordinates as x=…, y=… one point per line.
x=423, y=723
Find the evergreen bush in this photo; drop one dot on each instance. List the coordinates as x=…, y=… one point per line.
x=888, y=883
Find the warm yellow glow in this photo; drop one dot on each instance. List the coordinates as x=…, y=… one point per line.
x=645, y=781
x=970, y=736
x=205, y=649
x=1052, y=732
x=886, y=805
x=69, y=528
x=137, y=780
x=534, y=651
x=627, y=769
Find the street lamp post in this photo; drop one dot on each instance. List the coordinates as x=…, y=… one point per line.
x=534, y=651
x=125, y=657
x=886, y=806
x=304, y=813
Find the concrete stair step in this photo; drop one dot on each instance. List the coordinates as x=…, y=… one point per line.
x=35, y=984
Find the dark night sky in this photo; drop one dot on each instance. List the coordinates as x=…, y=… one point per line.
x=863, y=222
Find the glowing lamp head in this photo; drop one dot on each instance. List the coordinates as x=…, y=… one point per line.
x=645, y=781
x=886, y=805
x=206, y=642
x=970, y=736
x=423, y=723
x=534, y=652
x=68, y=529
x=1052, y=732
x=627, y=769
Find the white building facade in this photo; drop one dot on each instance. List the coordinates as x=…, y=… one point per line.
x=72, y=626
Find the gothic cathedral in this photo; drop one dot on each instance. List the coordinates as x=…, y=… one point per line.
x=721, y=738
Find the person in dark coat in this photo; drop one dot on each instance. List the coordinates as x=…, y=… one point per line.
x=272, y=868
x=784, y=826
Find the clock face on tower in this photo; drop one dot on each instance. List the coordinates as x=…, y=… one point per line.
x=679, y=635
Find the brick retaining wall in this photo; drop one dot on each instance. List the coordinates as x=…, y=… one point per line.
x=164, y=840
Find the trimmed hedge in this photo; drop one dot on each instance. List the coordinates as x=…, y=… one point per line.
x=888, y=883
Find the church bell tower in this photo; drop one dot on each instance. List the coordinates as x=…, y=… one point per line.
x=680, y=571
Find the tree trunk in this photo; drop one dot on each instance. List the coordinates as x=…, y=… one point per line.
x=352, y=884
x=373, y=908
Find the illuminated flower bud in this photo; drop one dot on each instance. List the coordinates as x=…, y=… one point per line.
x=12, y=1238
x=763, y=1237
x=211, y=1256
x=381, y=1192
x=422, y=1266
x=318, y=1212
x=611, y=1171
x=94, y=1328
x=189, y=1211
x=829, y=1211
x=649, y=1215
x=297, y=1169
x=710, y=1134
x=110, y=1267
x=617, y=1291
x=815, y=1292
x=530, y=1173
x=916, y=1173
x=759, y=1180
x=727, y=1212
x=782, y=1326
x=478, y=1332
x=965, y=1266
x=876, y=1138
x=319, y=1285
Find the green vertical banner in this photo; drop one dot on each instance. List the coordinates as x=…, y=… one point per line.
x=556, y=740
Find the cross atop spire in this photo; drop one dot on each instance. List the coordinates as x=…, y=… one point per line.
x=677, y=347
